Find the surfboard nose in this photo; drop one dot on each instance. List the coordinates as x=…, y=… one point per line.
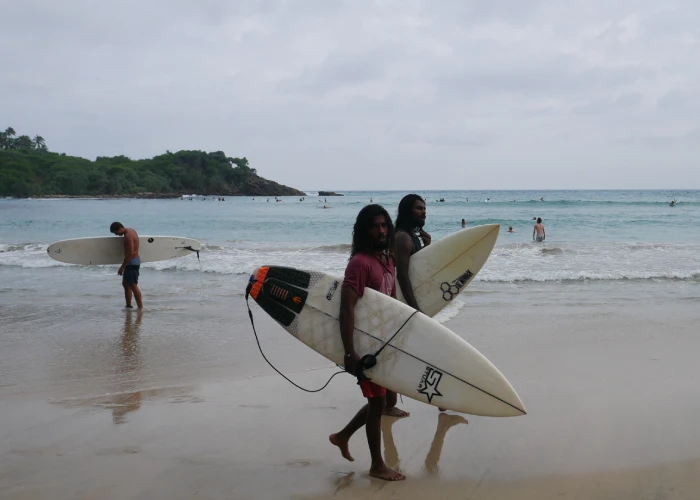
x=486, y=232
x=516, y=404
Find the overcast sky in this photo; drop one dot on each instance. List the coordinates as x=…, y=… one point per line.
x=324, y=94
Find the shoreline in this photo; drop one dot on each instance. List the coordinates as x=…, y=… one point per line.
x=117, y=399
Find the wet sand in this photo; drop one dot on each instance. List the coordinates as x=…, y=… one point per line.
x=179, y=404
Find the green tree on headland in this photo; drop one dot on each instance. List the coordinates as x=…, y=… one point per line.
x=28, y=168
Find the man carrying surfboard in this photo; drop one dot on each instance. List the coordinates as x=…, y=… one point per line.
x=132, y=262
x=409, y=233
x=410, y=238
x=370, y=266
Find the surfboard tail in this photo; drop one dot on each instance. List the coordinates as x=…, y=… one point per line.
x=279, y=291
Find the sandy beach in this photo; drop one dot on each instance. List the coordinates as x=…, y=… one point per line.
x=114, y=411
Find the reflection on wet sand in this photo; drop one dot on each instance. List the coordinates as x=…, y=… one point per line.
x=445, y=422
x=128, y=367
x=391, y=454
x=125, y=392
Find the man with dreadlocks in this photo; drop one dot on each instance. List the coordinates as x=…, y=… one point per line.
x=410, y=238
x=409, y=233
x=371, y=265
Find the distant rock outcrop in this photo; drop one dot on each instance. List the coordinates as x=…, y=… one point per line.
x=329, y=193
x=257, y=186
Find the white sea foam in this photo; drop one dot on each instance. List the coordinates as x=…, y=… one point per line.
x=507, y=264
x=449, y=312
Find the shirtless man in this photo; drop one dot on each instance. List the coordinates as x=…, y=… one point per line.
x=132, y=262
x=538, y=231
x=370, y=266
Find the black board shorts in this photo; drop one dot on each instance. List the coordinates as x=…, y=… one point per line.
x=131, y=274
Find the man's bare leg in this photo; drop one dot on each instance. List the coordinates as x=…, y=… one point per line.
x=378, y=469
x=127, y=294
x=391, y=410
x=341, y=439
x=137, y=295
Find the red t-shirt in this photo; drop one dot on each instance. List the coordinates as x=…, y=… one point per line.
x=366, y=270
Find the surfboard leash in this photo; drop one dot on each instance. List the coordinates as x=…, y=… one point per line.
x=366, y=362
x=191, y=250
x=370, y=360
x=252, y=322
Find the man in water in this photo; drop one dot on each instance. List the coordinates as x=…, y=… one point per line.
x=538, y=231
x=410, y=238
x=370, y=266
x=132, y=262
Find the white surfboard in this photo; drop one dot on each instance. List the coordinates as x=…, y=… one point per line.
x=442, y=270
x=110, y=249
x=421, y=359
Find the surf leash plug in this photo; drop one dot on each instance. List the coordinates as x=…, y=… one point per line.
x=366, y=362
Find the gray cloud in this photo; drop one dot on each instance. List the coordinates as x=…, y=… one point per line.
x=363, y=94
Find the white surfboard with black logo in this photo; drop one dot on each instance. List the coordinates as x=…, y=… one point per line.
x=422, y=359
x=442, y=270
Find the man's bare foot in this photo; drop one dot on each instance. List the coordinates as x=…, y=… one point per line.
x=343, y=445
x=385, y=473
x=395, y=412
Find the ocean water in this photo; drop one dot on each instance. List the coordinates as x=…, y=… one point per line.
x=630, y=239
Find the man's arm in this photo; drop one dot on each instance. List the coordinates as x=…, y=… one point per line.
x=348, y=299
x=544, y=235
x=404, y=245
x=534, y=230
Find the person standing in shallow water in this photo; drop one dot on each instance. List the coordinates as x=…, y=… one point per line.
x=129, y=269
x=538, y=233
x=371, y=266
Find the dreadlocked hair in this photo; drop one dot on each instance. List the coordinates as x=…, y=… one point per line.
x=404, y=218
x=360, y=232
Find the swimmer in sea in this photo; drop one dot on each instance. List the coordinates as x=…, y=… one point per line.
x=538, y=233
x=510, y=229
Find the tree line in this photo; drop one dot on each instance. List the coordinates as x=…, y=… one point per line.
x=28, y=168
x=8, y=140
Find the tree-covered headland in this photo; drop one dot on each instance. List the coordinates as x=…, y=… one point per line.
x=29, y=169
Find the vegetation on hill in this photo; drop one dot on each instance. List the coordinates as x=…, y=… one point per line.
x=28, y=168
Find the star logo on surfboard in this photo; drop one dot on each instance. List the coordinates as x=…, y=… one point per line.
x=429, y=383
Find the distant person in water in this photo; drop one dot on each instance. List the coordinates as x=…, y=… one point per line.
x=538, y=233
x=370, y=266
x=510, y=229
x=464, y=223
x=129, y=269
